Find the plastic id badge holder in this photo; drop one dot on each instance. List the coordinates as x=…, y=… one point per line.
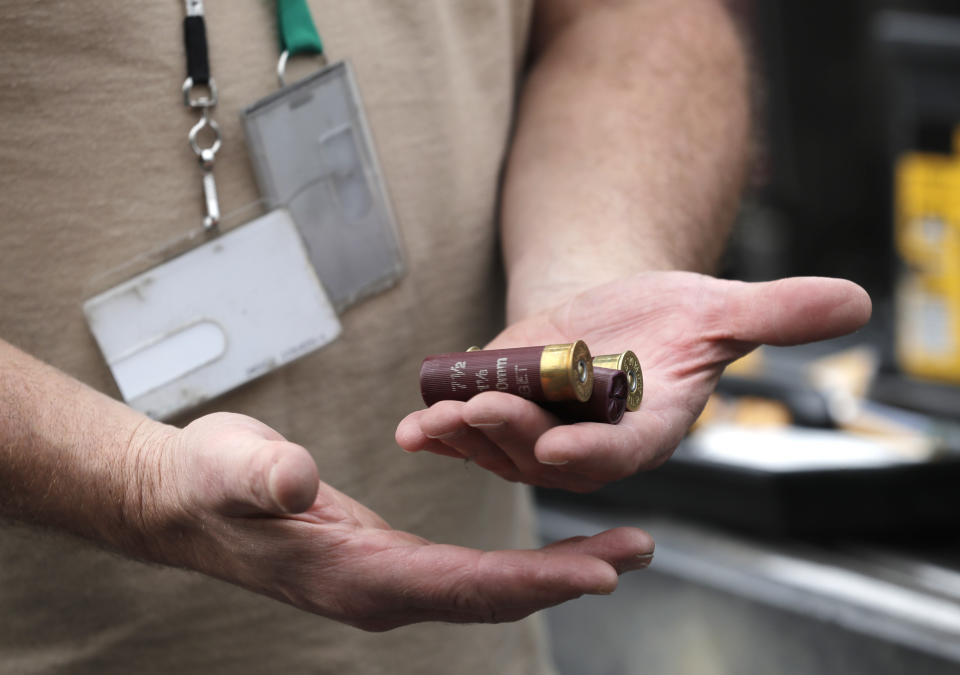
x=212, y=318
x=313, y=155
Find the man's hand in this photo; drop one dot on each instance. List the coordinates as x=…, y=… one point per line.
x=230, y=497
x=685, y=328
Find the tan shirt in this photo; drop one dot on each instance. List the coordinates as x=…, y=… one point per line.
x=95, y=169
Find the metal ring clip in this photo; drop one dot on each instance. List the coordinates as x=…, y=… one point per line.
x=205, y=121
x=201, y=101
x=282, y=65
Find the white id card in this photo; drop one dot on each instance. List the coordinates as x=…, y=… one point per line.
x=213, y=318
x=313, y=154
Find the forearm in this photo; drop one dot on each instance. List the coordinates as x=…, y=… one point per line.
x=70, y=457
x=630, y=149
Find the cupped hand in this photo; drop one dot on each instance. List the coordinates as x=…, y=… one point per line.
x=228, y=496
x=684, y=327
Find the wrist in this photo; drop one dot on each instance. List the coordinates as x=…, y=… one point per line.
x=534, y=291
x=148, y=505
x=76, y=460
x=546, y=277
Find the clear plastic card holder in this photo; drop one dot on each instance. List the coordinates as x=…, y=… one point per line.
x=313, y=154
x=209, y=312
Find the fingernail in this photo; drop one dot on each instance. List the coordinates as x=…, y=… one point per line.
x=487, y=425
x=553, y=463
x=638, y=562
x=274, y=490
x=603, y=591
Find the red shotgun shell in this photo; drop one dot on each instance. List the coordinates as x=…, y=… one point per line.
x=545, y=373
x=629, y=363
x=607, y=403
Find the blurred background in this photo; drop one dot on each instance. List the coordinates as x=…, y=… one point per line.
x=809, y=522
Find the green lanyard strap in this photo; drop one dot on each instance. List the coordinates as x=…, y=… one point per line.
x=298, y=34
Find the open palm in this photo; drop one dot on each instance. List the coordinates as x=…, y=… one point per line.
x=684, y=327
x=239, y=502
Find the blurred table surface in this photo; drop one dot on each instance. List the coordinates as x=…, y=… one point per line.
x=716, y=601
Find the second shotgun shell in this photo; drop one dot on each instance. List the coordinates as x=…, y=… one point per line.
x=629, y=363
x=546, y=373
x=607, y=403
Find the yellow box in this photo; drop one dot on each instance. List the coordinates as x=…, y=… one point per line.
x=927, y=235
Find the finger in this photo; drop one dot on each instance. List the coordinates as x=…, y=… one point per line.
x=513, y=424
x=473, y=445
x=441, y=448
x=608, y=452
x=464, y=585
x=252, y=475
x=625, y=548
x=793, y=311
x=557, y=479
x=444, y=422
x=292, y=478
x=409, y=435
x=410, y=438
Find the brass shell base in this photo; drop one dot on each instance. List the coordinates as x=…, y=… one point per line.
x=566, y=372
x=629, y=364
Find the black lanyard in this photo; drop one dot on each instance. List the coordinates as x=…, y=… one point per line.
x=198, y=76
x=298, y=35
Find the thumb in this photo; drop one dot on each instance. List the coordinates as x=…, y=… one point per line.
x=248, y=468
x=795, y=310
x=280, y=477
